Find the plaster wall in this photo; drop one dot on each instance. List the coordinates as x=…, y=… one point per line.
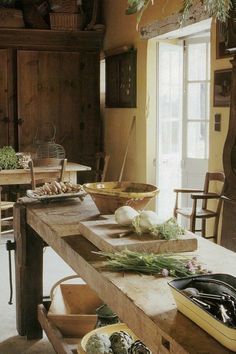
x=140, y=164
x=217, y=139
x=120, y=31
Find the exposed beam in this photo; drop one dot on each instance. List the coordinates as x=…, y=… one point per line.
x=174, y=22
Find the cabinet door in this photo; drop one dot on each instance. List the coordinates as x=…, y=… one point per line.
x=62, y=88
x=6, y=98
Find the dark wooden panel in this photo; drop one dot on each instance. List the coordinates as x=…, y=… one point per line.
x=29, y=246
x=228, y=236
x=50, y=40
x=63, y=88
x=4, y=114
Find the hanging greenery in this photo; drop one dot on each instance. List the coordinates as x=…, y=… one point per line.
x=137, y=6
x=218, y=8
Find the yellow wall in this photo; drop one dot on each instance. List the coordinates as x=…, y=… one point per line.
x=217, y=139
x=121, y=30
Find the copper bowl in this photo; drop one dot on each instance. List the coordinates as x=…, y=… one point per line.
x=109, y=196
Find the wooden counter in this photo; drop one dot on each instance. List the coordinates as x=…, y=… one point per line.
x=22, y=176
x=144, y=302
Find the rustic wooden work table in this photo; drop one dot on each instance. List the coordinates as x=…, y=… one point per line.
x=22, y=176
x=144, y=302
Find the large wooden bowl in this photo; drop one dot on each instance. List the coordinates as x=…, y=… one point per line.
x=109, y=196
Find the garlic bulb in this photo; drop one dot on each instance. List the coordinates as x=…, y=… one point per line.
x=125, y=215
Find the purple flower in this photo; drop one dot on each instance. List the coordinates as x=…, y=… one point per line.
x=165, y=272
x=189, y=265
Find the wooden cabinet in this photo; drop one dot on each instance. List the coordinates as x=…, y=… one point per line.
x=6, y=98
x=56, y=79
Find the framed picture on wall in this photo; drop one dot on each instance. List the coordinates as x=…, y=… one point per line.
x=222, y=87
x=221, y=40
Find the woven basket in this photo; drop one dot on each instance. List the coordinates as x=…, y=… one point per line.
x=70, y=6
x=66, y=21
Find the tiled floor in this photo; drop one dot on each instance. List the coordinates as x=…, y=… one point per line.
x=10, y=342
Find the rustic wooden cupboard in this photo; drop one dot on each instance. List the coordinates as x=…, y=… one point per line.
x=51, y=76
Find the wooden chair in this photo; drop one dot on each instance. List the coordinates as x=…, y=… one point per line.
x=101, y=165
x=5, y=220
x=49, y=162
x=203, y=213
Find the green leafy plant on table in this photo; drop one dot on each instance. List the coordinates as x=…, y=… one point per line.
x=176, y=265
x=8, y=158
x=218, y=8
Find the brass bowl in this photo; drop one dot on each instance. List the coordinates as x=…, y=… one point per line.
x=109, y=196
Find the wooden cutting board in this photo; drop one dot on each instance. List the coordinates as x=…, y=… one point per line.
x=104, y=234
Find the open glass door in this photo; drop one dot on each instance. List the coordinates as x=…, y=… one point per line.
x=196, y=111
x=183, y=83
x=169, y=142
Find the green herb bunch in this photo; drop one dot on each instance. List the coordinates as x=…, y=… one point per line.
x=154, y=264
x=8, y=158
x=168, y=230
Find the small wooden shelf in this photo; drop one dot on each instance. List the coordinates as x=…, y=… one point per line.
x=61, y=344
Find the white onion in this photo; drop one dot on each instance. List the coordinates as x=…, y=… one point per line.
x=124, y=215
x=147, y=220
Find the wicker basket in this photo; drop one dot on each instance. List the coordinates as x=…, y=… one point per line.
x=66, y=22
x=70, y=6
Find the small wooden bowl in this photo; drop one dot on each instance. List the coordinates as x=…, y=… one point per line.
x=109, y=196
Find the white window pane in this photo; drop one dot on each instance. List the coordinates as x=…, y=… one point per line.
x=198, y=104
x=197, y=61
x=209, y=62
x=197, y=140
x=170, y=138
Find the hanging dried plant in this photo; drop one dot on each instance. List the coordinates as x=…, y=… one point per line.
x=218, y=8
x=137, y=6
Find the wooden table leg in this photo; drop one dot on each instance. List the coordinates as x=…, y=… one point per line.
x=29, y=274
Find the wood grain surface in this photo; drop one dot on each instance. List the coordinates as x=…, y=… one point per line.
x=22, y=176
x=144, y=302
x=105, y=235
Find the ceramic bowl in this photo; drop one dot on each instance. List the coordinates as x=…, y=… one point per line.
x=107, y=330
x=109, y=196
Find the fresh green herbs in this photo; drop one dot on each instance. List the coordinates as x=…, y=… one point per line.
x=169, y=230
x=154, y=264
x=8, y=158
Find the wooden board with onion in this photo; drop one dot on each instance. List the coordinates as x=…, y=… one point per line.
x=108, y=236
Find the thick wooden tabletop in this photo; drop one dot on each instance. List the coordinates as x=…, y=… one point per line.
x=22, y=176
x=144, y=302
